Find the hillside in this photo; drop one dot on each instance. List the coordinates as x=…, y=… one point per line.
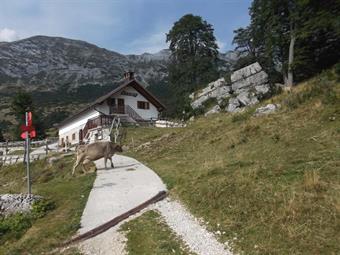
x=267, y=185
x=63, y=74
x=26, y=234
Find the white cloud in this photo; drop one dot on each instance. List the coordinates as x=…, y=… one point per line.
x=8, y=35
x=151, y=44
x=221, y=45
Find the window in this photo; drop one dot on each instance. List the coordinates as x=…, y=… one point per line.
x=73, y=136
x=143, y=105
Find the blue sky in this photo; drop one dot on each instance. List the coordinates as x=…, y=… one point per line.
x=125, y=26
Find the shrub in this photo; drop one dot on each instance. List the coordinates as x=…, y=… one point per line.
x=14, y=226
x=210, y=103
x=41, y=207
x=337, y=70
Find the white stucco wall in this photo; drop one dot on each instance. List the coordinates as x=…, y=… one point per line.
x=146, y=114
x=75, y=125
x=79, y=122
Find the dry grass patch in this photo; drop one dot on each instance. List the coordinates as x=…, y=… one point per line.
x=271, y=183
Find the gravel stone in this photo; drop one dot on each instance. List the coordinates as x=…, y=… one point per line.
x=15, y=203
x=188, y=228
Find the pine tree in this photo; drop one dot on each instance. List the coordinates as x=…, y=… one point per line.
x=194, y=55
x=22, y=102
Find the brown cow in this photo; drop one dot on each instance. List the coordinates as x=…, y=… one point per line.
x=94, y=151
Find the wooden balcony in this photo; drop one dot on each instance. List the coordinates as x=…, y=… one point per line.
x=100, y=121
x=119, y=109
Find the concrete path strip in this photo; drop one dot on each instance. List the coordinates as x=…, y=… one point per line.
x=129, y=184
x=116, y=191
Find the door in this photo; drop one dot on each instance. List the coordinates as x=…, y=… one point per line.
x=121, y=105
x=112, y=105
x=80, y=135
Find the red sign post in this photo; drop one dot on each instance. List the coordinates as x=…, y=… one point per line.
x=28, y=132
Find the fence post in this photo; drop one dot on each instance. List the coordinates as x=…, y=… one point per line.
x=46, y=146
x=6, y=150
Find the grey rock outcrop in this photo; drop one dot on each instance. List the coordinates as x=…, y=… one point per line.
x=213, y=110
x=247, y=98
x=233, y=105
x=17, y=203
x=217, y=89
x=248, y=86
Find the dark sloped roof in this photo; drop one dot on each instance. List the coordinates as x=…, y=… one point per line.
x=133, y=83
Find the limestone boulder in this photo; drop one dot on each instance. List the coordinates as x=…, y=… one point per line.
x=199, y=101
x=262, y=90
x=247, y=98
x=245, y=72
x=268, y=109
x=233, y=105
x=215, y=109
x=251, y=81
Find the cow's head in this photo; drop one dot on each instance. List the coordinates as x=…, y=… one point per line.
x=118, y=148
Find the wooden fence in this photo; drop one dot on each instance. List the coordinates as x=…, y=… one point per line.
x=13, y=159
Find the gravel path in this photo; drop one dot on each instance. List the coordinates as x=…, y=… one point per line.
x=110, y=242
x=188, y=228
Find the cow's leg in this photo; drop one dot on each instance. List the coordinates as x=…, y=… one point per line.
x=78, y=161
x=111, y=162
x=105, y=160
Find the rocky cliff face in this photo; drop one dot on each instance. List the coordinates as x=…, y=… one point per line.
x=46, y=63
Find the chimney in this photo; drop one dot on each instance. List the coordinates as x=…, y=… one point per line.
x=129, y=75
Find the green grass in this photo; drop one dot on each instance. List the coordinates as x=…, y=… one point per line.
x=69, y=195
x=148, y=234
x=272, y=183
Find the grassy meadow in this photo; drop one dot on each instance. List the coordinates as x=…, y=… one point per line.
x=23, y=234
x=270, y=184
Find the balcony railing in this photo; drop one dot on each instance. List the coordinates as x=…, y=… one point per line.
x=126, y=109
x=106, y=120
x=120, y=109
x=102, y=120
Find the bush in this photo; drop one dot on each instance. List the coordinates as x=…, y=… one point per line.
x=41, y=207
x=14, y=226
x=337, y=70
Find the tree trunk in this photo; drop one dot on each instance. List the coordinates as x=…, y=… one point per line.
x=290, y=78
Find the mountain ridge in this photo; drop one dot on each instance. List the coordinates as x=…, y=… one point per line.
x=62, y=74
x=45, y=63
